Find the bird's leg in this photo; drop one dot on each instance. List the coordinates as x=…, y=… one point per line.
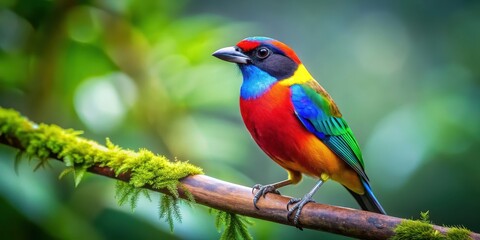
x=299, y=203
x=270, y=188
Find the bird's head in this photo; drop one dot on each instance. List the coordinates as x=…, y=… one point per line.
x=268, y=55
x=263, y=62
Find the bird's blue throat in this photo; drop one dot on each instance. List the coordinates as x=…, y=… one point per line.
x=255, y=82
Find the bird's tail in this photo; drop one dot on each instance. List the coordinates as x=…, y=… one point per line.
x=368, y=201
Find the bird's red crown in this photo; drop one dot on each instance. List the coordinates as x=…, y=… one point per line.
x=248, y=44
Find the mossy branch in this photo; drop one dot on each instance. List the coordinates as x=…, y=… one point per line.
x=145, y=170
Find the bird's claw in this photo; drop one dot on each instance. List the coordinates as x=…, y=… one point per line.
x=262, y=191
x=297, y=206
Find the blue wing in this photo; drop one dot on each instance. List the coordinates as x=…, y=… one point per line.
x=318, y=113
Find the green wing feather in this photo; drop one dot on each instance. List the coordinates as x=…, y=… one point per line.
x=319, y=114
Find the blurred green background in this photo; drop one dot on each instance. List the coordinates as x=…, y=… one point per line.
x=406, y=75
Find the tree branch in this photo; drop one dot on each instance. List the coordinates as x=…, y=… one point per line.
x=234, y=198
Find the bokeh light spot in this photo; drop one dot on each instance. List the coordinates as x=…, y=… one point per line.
x=398, y=146
x=102, y=102
x=14, y=31
x=381, y=43
x=83, y=24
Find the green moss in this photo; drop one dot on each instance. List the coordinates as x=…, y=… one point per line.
x=169, y=210
x=458, y=233
x=415, y=229
x=145, y=168
x=43, y=141
x=422, y=229
x=233, y=225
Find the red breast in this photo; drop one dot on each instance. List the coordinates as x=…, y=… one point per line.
x=272, y=122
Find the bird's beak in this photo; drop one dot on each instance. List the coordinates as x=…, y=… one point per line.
x=232, y=54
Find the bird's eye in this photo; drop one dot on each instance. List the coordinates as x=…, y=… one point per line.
x=263, y=52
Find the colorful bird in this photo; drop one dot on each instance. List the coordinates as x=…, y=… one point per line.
x=296, y=123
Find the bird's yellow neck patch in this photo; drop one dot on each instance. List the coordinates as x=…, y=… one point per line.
x=300, y=76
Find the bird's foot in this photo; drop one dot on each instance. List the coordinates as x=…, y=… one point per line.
x=262, y=191
x=297, y=206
